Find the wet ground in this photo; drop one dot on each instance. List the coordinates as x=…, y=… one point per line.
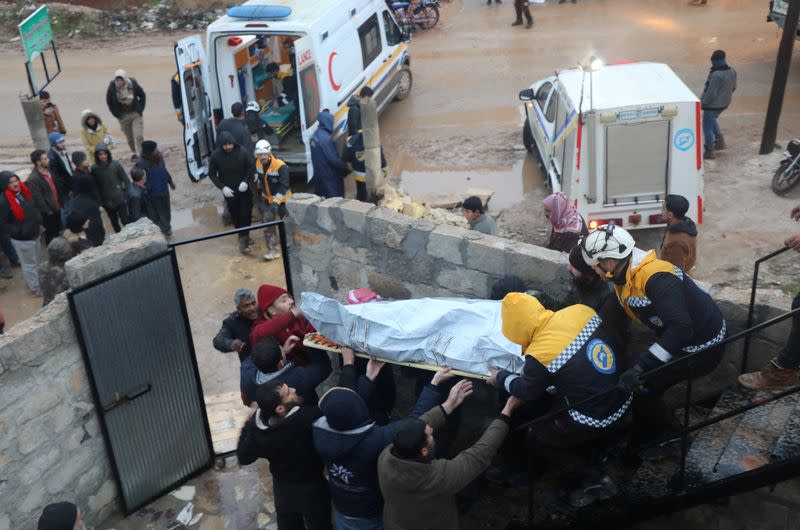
x=460, y=128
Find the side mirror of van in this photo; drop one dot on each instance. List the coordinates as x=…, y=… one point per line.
x=527, y=95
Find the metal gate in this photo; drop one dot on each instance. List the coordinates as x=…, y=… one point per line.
x=134, y=332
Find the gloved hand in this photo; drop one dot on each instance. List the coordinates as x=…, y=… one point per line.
x=227, y=192
x=629, y=380
x=243, y=186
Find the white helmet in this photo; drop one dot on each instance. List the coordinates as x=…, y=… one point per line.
x=607, y=241
x=253, y=106
x=263, y=147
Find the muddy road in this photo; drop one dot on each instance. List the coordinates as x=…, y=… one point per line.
x=461, y=127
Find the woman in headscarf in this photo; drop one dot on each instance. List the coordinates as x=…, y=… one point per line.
x=568, y=225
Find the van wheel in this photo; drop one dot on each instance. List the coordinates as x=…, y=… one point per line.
x=527, y=137
x=404, y=83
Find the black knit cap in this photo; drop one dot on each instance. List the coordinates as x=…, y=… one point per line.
x=149, y=147
x=677, y=204
x=78, y=157
x=58, y=516
x=577, y=261
x=5, y=177
x=409, y=438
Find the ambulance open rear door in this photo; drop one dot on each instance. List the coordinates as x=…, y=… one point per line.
x=198, y=119
x=308, y=95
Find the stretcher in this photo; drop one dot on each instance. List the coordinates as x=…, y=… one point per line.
x=321, y=343
x=281, y=120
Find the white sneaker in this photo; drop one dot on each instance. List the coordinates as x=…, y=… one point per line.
x=271, y=255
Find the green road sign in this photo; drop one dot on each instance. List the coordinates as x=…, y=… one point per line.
x=36, y=33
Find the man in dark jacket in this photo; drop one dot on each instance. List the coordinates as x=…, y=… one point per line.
x=138, y=197
x=231, y=168
x=329, y=169
x=158, y=182
x=259, y=130
x=5, y=240
x=234, y=335
x=112, y=184
x=354, y=110
x=177, y=97
x=126, y=101
x=572, y=351
x=679, y=244
x=716, y=97
x=280, y=431
x=267, y=361
x=45, y=195
x=61, y=167
x=86, y=199
x=419, y=490
x=20, y=219
x=354, y=155
x=350, y=443
x=683, y=316
x=236, y=126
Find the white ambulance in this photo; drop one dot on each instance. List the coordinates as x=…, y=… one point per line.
x=616, y=140
x=323, y=52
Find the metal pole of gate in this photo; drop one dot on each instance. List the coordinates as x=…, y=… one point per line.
x=780, y=78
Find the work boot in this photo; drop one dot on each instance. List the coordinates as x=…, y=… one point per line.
x=517, y=22
x=243, y=246
x=593, y=490
x=529, y=25
x=719, y=143
x=772, y=377
x=708, y=154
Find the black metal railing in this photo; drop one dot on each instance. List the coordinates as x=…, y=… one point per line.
x=686, y=429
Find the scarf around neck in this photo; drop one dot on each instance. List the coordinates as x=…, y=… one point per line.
x=13, y=201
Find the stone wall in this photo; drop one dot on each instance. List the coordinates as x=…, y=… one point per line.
x=336, y=245
x=51, y=444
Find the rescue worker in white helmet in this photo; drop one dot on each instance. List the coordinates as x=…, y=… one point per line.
x=272, y=183
x=684, y=317
x=259, y=130
x=569, y=355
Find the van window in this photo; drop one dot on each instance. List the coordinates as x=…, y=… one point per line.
x=310, y=88
x=541, y=95
x=370, y=35
x=393, y=34
x=552, y=107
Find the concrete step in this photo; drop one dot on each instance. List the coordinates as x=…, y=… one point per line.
x=709, y=443
x=788, y=444
x=751, y=445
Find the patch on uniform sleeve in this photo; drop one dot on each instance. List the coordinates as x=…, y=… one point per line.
x=360, y=156
x=601, y=356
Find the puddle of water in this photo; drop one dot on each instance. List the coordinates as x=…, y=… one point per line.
x=509, y=185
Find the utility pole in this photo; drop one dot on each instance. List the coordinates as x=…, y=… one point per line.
x=35, y=119
x=781, y=76
x=372, y=147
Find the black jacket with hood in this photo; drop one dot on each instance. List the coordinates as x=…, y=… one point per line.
x=240, y=132
x=111, y=180
x=116, y=108
x=351, y=458
x=231, y=169
x=720, y=85
x=353, y=116
x=85, y=203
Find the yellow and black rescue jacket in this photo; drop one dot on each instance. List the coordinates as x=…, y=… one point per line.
x=273, y=183
x=569, y=350
x=661, y=297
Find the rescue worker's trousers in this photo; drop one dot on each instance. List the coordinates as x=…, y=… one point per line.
x=789, y=356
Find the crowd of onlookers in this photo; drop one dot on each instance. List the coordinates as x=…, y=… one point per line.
x=59, y=203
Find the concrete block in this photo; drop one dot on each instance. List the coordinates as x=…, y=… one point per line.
x=106, y=494
x=487, y=254
x=354, y=214
x=419, y=269
x=31, y=438
x=69, y=470
x=300, y=205
x=357, y=254
x=415, y=245
x=33, y=502
x=446, y=242
x=37, y=466
x=540, y=268
x=5, y=521
x=47, y=397
x=325, y=219
x=5, y=459
x=347, y=274
x=135, y=243
x=387, y=228
x=387, y=287
x=309, y=280
x=464, y=282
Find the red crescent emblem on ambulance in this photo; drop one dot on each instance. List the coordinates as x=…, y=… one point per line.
x=330, y=71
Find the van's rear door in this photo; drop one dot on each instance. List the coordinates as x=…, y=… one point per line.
x=307, y=95
x=637, y=162
x=198, y=120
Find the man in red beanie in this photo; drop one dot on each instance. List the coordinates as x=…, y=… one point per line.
x=281, y=318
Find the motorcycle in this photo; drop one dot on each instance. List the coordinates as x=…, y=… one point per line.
x=422, y=13
x=787, y=176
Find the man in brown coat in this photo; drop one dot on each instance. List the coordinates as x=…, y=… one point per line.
x=679, y=245
x=52, y=117
x=418, y=490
